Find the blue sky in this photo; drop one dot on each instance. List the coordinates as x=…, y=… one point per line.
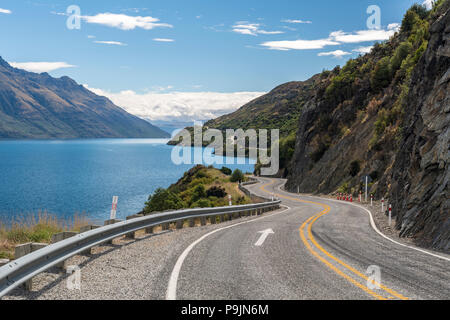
x=233, y=50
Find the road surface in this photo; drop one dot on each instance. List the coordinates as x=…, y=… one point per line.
x=319, y=249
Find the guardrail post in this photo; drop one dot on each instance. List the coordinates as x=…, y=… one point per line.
x=86, y=229
x=149, y=230
x=191, y=223
x=109, y=222
x=60, y=237
x=179, y=224
x=213, y=219
x=132, y=235
x=24, y=249
x=203, y=221
x=165, y=226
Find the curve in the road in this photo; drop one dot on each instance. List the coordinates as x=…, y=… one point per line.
x=309, y=223
x=171, y=293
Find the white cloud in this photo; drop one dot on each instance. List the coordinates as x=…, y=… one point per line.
x=428, y=4
x=114, y=43
x=336, y=54
x=40, y=67
x=91, y=37
x=363, y=50
x=362, y=35
x=296, y=21
x=6, y=11
x=394, y=26
x=299, y=44
x=125, y=22
x=252, y=29
x=335, y=38
x=163, y=40
x=182, y=106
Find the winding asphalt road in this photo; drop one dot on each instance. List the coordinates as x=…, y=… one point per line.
x=320, y=249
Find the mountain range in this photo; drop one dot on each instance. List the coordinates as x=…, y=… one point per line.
x=38, y=106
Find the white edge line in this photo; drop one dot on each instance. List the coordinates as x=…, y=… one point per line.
x=374, y=227
x=171, y=293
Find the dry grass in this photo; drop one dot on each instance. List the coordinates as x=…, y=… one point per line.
x=35, y=228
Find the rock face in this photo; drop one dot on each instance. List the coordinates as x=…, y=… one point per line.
x=409, y=159
x=37, y=106
x=421, y=172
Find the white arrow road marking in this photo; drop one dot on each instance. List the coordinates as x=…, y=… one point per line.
x=171, y=293
x=265, y=234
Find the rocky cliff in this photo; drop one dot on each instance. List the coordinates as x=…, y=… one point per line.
x=38, y=106
x=388, y=118
x=420, y=175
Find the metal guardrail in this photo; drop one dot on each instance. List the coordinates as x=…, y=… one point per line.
x=23, y=269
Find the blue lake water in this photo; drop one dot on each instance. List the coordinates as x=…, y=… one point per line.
x=82, y=176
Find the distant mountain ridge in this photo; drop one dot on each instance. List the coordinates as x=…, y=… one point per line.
x=38, y=106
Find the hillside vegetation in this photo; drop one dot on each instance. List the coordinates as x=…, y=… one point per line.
x=200, y=187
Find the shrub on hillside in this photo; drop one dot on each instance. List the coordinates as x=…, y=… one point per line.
x=381, y=75
x=216, y=191
x=226, y=171
x=237, y=176
x=163, y=199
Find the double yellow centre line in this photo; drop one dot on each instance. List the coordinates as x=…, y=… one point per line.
x=313, y=247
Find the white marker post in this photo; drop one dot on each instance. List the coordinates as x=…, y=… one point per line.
x=114, y=207
x=390, y=215
x=298, y=189
x=229, y=200
x=371, y=200
x=382, y=205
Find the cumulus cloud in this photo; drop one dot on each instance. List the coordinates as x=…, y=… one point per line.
x=178, y=106
x=163, y=40
x=363, y=50
x=299, y=44
x=6, y=11
x=125, y=22
x=335, y=38
x=252, y=29
x=114, y=43
x=296, y=21
x=362, y=35
x=336, y=54
x=428, y=4
x=40, y=67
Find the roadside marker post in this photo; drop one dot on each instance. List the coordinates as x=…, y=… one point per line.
x=390, y=215
x=371, y=200
x=229, y=200
x=382, y=205
x=351, y=198
x=360, y=196
x=114, y=208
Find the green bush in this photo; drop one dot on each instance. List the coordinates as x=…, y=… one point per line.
x=198, y=193
x=216, y=191
x=237, y=176
x=226, y=171
x=202, y=203
x=403, y=50
x=381, y=75
x=163, y=199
